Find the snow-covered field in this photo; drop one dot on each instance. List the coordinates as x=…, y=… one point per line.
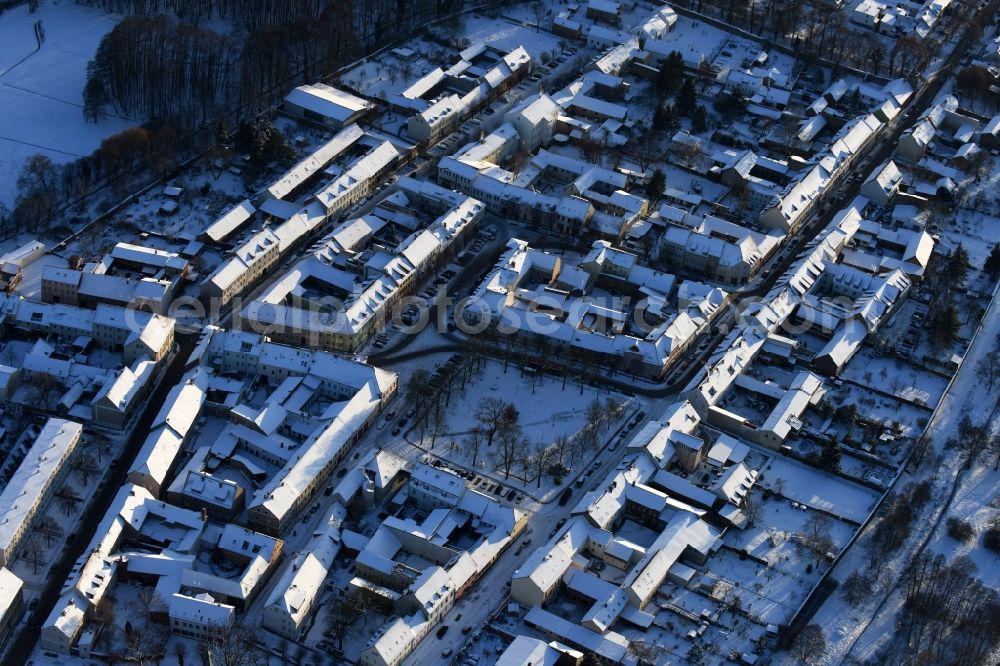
x=818, y=489
x=975, y=502
x=859, y=633
x=507, y=35
x=546, y=409
x=41, y=91
x=890, y=375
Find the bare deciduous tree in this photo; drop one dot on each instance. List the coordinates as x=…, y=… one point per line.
x=489, y=414
x=989, y=368
x=69, y=498
x=513, y=449
x=341, y=613
x=857, y=586
x=151, y=602
x=473, y=441
x=86, y=466
x=751, y=509
x=49, y=529
x=235, y=645
x=815, y=537
x=34, y=555
x=180, y=651
x=810, y=644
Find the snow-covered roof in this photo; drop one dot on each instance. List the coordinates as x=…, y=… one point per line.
x=229, y=221
x=61, y=275
x=806, y=388
x=126, y=386
x=148, y=256
x=30, y=482
x=315, y=162
x=328, y=101
x=10, y=590
x=735, y=483
x=366, y=299
x=314, y=457
x=886, y=178
x=611, y=647
x=201, y=610
x=527, y=651
x=394, y=640
x=536, y=109
x=685, y=530
x=256, y=248
x=24, y=254
x=362, y=171
x=67, y=616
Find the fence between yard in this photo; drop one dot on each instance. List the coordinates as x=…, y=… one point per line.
x=812, y=600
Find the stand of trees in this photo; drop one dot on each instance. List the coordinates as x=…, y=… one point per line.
x=894, y=526
x=949, y=615
x=158, y=62
x=185, y=83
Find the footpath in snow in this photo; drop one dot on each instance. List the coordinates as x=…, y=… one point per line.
x=858, y=633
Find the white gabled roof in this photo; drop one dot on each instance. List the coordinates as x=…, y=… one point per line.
x=327, y=101
x=229, y=221
x=315, y=162
x=10, y=588
x=54, y=443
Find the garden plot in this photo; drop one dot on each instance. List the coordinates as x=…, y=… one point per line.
x=507, y=35
x=818, y=490
x=976, y=232
x=770, y=538
x=41, y=91
x=769, y=594
x=876, y=416
x=893, y=376
x=389, y=74
x=727, y=634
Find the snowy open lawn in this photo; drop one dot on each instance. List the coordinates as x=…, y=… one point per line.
x=506, y=35
x=547, y=411
x=819, y=490
x=976, y=502
x=891, y=375
x=41, y=92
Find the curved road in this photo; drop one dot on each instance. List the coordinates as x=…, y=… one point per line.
x=25, y=636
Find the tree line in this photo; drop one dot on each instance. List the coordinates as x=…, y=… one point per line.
x=43, y=187
x=161, y=62
x=949, y=615
x=188, y=85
